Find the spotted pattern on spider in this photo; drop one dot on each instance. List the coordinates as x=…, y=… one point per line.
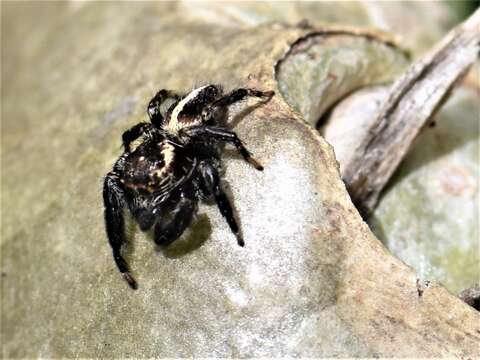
x=170, y=164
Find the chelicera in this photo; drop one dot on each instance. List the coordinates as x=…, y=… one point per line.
x=170, y=164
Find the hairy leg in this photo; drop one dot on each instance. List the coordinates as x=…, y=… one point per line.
x=144, y=217
x=240, y=94
x=226, y=136
x=114, y=200
x=133, y=134
x=211, y=181
x=153, y=108
x=168, y=229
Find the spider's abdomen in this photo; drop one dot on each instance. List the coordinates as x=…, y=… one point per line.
x=187, y=112
x=150, y=168
x=175, y=125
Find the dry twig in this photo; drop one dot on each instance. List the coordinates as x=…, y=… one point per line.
x=413, y=100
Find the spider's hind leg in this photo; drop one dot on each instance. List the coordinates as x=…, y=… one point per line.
x=240, y=94
x=222, y=134
x=153, y=108
x=211, y=181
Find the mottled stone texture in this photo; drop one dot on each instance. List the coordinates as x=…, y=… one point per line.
x=312, y=279
x=429, y=214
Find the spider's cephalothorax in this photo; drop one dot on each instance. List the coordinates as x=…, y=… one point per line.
x=171, y=163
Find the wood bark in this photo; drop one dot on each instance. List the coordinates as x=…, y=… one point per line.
x=412, y=101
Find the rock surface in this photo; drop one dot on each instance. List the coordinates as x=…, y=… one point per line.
x=312, y=279
x=428, y=216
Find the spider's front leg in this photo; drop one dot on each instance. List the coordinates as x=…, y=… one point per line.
x=222, y=134
x=211, y=181
x=168, y=229
x=114, y=200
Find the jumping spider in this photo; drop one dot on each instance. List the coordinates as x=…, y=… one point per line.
x=175, y=163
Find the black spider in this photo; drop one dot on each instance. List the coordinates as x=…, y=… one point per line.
x=175, y=164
